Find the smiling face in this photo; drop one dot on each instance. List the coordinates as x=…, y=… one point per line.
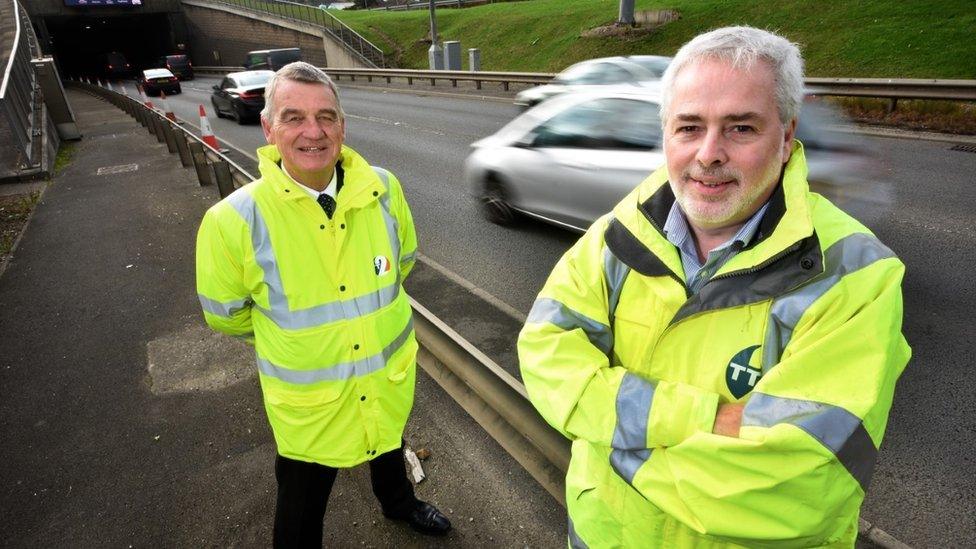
x=308, y=131
x=724, y=143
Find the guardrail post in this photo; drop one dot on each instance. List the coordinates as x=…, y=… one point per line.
x=892, y=105
x=181, y=146
x=200, y=163
x=158, y=122
x=225, y=181
x=169, y=135
x=151, y=121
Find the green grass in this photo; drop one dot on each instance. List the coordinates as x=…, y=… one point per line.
x=867, y=38
x=65, y=152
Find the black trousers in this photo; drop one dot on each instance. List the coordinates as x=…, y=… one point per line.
x=304, y=488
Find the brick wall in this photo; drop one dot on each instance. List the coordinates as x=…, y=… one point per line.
x=232, y=36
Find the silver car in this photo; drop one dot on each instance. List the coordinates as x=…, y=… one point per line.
x=571, y=159
x=605, y=71
x=568, y=160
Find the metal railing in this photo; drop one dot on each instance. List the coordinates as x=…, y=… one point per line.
x=353, y=42
x=884, y=88
x=19, y=93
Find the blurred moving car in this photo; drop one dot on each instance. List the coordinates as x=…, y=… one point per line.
x=605, y=71
x=240, y=95
x=271, y=59
x=115, y=65
x=572, y=159
x=157, y=80
x=178, y=64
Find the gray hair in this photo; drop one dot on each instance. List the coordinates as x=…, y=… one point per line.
x=298, y=71
x=743, y=47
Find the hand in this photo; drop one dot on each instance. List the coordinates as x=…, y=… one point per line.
x=728, y=419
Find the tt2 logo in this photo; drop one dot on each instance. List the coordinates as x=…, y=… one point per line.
x=740, y=377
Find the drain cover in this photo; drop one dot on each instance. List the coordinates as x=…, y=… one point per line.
x=964, y=148
x=106, y=170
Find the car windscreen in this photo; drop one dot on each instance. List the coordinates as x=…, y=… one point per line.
x=652, y=65
x=604, y=123
x=178, y=60
x=253, y=79
x=280, y=58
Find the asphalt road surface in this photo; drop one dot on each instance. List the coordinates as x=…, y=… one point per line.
x=924, y=489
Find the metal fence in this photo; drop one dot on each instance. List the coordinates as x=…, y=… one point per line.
x=18, y=92
x=315, y=16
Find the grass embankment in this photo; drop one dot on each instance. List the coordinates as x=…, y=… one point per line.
x=869, y=38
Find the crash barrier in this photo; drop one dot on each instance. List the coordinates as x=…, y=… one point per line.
x=212, y=167
x=882, y=88
x=22, y=113
x=478, y=77
x=489, y=394
x=306, y=14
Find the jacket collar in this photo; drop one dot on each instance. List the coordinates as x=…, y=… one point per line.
x=786, y=222
x=360, y=184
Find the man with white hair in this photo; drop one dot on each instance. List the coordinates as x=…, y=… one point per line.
x=722, y=348
x=307, y=264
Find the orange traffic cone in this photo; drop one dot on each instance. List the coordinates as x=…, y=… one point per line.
x=166, y=110
x=206, y=133
x=145, y=99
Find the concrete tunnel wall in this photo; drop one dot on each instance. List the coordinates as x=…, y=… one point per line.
x=210, y=44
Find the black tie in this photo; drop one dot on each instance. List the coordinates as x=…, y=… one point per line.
x=328, y=204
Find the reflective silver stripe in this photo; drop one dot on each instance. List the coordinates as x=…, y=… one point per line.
x=627, y=462
x=409, y=258
x=343, y=370
x=549, y=310
x=392, y=227
x=634, y=398
x=334, y=311
x=575, y=542
x=847, y=255
x=279, y=312
x=223, y=309
x=615, y=272
x=838, y=430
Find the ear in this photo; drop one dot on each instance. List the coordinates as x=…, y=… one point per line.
x=788, y=136
x=268, y=134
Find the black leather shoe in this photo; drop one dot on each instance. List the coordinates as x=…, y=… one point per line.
x=426, y=519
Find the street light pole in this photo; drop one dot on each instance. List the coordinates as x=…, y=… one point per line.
x=435, y=55
x=626, y=13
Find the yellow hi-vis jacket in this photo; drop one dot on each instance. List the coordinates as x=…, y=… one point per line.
x=803, y=325
x=322, y=302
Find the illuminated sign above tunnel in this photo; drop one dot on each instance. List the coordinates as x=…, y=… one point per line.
x=80, y=3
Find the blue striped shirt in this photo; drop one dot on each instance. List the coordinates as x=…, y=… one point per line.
x=697, y=274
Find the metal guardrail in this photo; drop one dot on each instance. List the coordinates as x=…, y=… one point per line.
x=492, y=396
x=884, y=88
x=18, y=92
x=313, y=15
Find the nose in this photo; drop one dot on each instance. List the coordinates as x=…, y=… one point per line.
x=311, y=129
x=711, y=149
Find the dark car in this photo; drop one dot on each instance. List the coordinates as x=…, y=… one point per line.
x=178, y=64
x=157, y=80
x=271, y=60
x=240, y=95
x=114, y=65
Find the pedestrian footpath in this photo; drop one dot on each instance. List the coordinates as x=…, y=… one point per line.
x=126, y=422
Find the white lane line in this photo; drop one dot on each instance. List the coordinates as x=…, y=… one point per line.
x=458, y=279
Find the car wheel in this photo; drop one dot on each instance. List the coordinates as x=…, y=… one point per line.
x=494, y=203
x=216, y=108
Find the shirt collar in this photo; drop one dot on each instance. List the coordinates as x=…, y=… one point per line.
x=679, y=233
x=330, y=189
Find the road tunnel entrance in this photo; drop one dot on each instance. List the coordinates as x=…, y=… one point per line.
x=90, y=45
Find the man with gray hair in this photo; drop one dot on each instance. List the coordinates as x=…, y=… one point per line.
x=307, y=264
x=722, y=348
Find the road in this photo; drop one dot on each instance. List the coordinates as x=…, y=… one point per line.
x=923, y=491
